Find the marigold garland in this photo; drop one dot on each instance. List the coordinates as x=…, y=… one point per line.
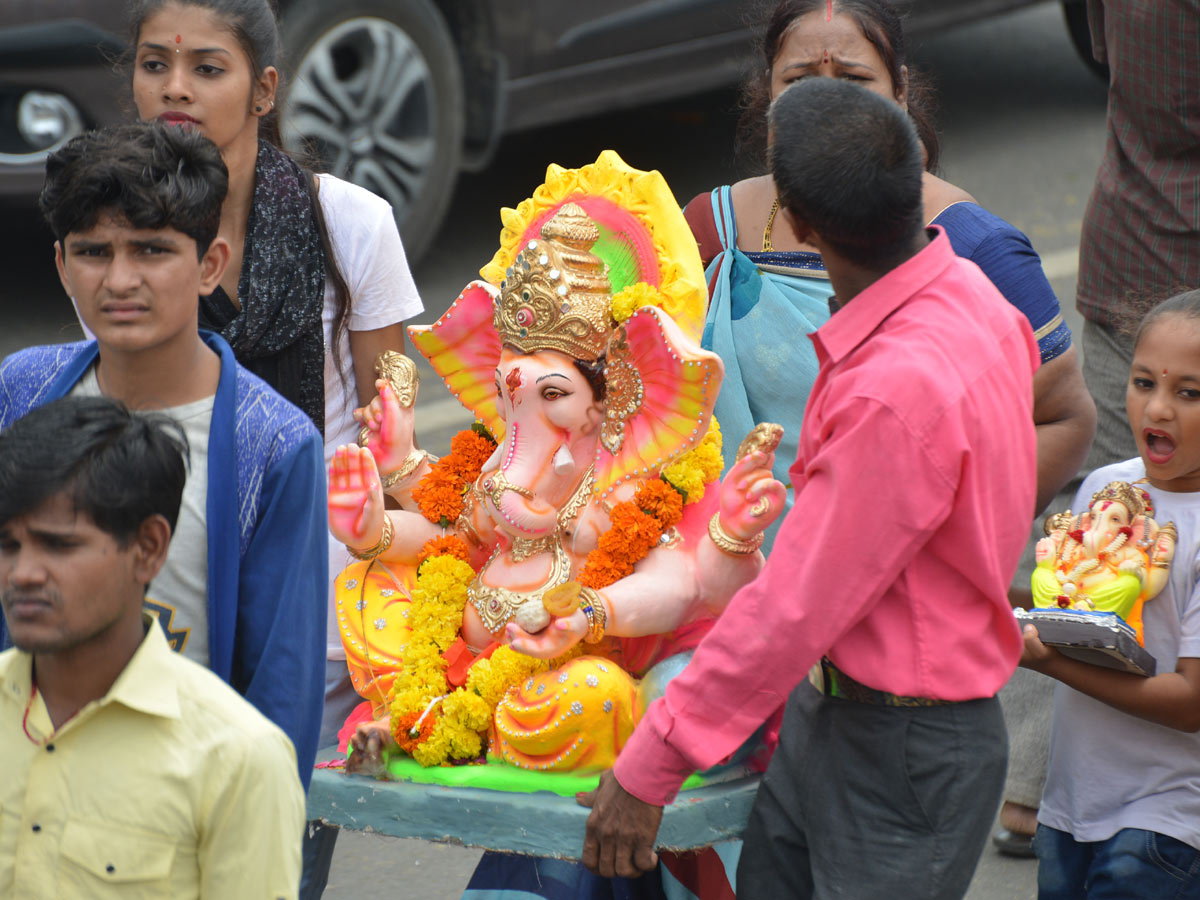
x=441, y=493
x=631, y=299
x=445, y=545
x=453, y=728
x=699, y=467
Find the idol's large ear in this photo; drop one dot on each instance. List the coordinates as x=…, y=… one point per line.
x=661, y=388
x=464, y=349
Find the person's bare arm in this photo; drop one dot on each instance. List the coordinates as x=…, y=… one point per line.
x=365, y=346
x=1064, y=416
x=1170, y=698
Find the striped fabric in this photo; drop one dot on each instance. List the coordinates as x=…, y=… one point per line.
x=1141, y=232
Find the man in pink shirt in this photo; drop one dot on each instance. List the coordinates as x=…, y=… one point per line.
x=915, y=483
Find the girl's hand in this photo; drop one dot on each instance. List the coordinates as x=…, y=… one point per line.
x=1035, y=655
x=389, y=427
x=554, y=640
x=355, y=498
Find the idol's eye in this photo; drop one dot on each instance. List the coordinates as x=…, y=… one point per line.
x=553, y=393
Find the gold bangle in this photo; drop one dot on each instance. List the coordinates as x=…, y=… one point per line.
x=411, y=463
x=389, y=532
x=592, y=605
x=364, y=435
x=727, y=543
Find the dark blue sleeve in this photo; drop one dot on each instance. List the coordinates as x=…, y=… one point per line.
x=279, y=652
x=1009, y=261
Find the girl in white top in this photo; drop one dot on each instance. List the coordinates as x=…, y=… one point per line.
x=318, y=284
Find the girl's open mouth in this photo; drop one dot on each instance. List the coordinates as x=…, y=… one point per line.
x=1160, y=447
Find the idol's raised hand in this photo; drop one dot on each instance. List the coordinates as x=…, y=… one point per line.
x=355, y=498
x=387, y=427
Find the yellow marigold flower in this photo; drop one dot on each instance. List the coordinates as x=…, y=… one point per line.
x=633, y=298
x=698, y=467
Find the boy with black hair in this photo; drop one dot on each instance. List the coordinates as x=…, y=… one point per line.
x=915, y=480
x=134, y=211
x=126, y=766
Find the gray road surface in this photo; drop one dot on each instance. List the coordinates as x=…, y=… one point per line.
x=1023, y=129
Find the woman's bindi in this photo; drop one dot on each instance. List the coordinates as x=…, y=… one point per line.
x=178, y=41
x=1164, y=373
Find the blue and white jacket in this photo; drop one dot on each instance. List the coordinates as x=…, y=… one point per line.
x=268, y=579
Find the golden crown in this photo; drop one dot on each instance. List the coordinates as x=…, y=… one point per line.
x=1133, y=499
x=556, y=294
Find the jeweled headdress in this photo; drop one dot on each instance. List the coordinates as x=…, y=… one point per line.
x=556, y=294
x=1133, y=499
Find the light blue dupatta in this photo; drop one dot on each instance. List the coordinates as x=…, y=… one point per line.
x=762, y=306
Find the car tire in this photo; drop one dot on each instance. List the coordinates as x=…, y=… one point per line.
x=1075, y=12
x=376, y=96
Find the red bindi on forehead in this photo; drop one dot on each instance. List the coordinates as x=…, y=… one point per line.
x=179, y=38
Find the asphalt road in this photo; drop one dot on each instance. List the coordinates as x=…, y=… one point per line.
x=1022, y=122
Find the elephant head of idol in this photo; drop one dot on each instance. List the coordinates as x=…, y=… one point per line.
x=570, y=392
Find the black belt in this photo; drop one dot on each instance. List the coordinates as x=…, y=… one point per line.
x=836, y=683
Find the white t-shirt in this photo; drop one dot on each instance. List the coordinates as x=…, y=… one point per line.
x=371, y=260
x=179, y=593
x=1109, y=770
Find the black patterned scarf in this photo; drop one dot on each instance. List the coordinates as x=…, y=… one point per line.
x=277, y=333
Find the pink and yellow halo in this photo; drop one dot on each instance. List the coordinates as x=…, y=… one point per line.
x=644, y=236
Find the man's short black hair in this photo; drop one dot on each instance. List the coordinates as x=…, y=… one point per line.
x=149, y=175
x=847, y=163
x=119, y=467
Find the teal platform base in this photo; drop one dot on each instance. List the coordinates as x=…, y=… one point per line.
x=535, y=824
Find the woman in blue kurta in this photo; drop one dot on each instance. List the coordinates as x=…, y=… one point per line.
x=769, y=364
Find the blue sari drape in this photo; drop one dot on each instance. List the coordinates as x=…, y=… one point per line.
x=761, y=309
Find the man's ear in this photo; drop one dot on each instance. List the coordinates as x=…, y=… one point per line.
x=150, y=548
x=60, y=263
x=212, y=265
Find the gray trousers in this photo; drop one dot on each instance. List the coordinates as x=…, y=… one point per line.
x=1029, y=697
x=873, y=803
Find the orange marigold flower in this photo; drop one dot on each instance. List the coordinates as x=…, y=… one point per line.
x=469, y=450
x=640, y=530
x=602, y=569
x=402, y=730
x=658, y=499
x=447, y=545
x=440, y=497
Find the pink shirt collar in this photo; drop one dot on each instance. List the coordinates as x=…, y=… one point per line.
x=857, y=320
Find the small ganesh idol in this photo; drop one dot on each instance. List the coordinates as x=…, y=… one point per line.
x=578, y=534
x=1100, y=567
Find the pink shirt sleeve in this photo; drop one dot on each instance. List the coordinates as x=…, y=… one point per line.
x=855, y=526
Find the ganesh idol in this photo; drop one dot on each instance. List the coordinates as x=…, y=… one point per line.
x=579, y=533
x=1111, y=558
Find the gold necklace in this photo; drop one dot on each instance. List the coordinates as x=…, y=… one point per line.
x=767, y=246
x=497, y=605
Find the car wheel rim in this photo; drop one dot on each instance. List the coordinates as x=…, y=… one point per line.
x=363, y=102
